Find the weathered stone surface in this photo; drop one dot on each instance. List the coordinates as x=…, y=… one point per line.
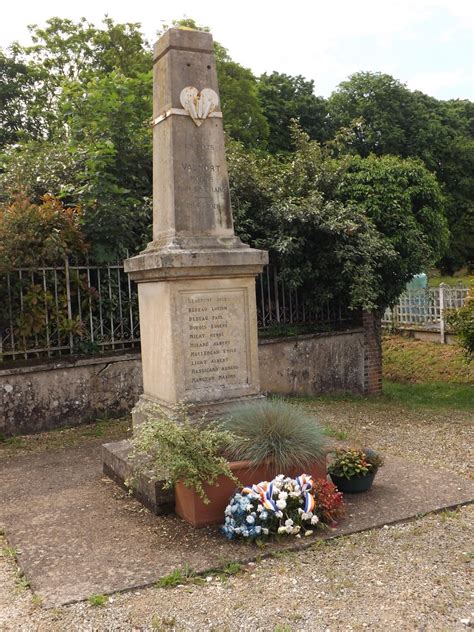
x=191, y=187
x=313, y=364
x=196, y=280
x=199, y=340
x=67, y=391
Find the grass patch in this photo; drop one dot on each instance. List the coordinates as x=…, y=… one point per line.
x=179, y=577
x=436, y=395
x=413, y=361
x=433, y=395
x=98, y=600
x=340, y=435
x=58, y=438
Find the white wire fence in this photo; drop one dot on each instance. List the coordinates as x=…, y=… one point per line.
x=425, y=308
x=89, y=309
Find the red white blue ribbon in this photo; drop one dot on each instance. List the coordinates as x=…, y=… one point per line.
x=305, y=483
x=265, y=492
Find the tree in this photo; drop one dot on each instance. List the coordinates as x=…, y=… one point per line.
x=345, y=228
x=244, y=119
x=284, y=98
x=108, y=124
x=388, y=118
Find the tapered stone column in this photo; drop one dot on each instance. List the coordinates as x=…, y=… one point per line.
x=196, y=279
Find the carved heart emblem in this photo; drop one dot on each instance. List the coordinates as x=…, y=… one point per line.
x=199, y=105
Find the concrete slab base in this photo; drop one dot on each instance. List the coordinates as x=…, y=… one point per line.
x=79, y=534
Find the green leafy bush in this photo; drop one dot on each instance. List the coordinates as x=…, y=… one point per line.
x=276, y=431
x=34, y=234
x=179, y=449
x=462, y=323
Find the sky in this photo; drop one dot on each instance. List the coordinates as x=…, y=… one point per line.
x=426, y=44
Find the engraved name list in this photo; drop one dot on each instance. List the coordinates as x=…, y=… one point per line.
x=215, y=339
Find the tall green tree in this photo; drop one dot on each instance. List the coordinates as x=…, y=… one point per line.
x=387, y=118
x=347, y=228
x=284, y=98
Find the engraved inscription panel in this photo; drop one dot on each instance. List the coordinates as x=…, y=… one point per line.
x=215, y=338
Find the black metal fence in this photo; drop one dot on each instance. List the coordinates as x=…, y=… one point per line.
x=87, y=309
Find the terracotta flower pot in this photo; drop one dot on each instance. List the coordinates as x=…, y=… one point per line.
x=191, y=508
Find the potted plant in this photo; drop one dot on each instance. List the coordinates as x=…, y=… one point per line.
x=353, y=470
x=207, y=460
x=275, y=437
x=188, y=454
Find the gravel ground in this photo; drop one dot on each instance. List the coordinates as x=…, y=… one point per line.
x=414, y=576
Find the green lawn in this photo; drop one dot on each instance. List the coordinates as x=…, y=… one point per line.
x=462, y=279
x=411, y=361
x=437, y=396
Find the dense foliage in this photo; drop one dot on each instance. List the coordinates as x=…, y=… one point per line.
x=179, y=449
x=350, y=203
x=462, y=323
x=44, y=233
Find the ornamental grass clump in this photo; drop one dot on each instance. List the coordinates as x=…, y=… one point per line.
x=283, y=506
x=179, y=449
x=276, y=432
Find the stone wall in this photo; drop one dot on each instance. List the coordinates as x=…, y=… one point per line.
x=70, y=391
x=313, y=364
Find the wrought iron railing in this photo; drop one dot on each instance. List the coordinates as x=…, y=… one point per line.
x=64, y=310
x=86, y=309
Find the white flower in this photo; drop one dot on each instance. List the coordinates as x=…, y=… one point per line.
x=245, y=533
x=296, y=529
x=265, y=531
x=308, y=533
x=258, y=530
x=298, y=535
x=289, y=522
x=307, y=516
x=281, y=529
x=283, y=495
x=295, y=494
x=279, y=514
x=228, y=510
x=314, y=520
x=289, y=529
x=281, y=504
x=260, y=508
x=300, y=511
x=248, y=507
x=250, y=519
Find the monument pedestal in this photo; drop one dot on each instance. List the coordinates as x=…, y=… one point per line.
x=198, y=326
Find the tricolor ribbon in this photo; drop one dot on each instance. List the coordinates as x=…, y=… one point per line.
x=264, y=491
x=305, y=483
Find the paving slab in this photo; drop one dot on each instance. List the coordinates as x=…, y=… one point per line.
x=78, y=534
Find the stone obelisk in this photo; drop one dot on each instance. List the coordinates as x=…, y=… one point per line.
x=196, y=279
